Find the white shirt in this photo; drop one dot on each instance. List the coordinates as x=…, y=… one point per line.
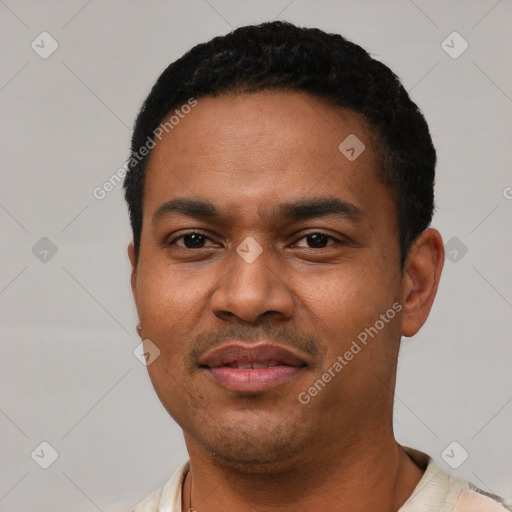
x=437, y=491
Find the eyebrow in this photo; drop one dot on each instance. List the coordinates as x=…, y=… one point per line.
x=291, y=211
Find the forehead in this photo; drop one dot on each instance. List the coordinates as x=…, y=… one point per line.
x=247, y=151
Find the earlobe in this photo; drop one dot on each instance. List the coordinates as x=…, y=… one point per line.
x=133, y=262
x=131, y=256
x=422, y=273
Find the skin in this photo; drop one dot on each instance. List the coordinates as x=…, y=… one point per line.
x=247, y=153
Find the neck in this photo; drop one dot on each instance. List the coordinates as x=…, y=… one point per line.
x=359, y=478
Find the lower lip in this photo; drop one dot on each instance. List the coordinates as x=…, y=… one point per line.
x=253, y=380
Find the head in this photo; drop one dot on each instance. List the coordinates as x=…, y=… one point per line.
x=284, y=196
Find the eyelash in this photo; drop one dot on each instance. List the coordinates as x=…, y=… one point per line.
x=336, y=240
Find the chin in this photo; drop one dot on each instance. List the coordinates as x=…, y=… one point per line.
x=263, y=462
x=259, y=449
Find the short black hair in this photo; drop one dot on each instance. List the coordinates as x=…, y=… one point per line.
x=280, y=55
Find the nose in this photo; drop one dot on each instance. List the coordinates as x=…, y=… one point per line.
x=250, y=289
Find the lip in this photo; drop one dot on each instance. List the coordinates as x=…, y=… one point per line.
x=252, y=368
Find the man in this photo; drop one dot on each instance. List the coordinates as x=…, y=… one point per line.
x=280, y=194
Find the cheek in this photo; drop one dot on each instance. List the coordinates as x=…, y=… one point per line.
x=165, y=311
x=167, y=381
x=173, y=308
x=163, y=296
x=342, y=305
x=164, y=307
x=345, y=293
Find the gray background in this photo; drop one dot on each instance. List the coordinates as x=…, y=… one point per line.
x=68, y=375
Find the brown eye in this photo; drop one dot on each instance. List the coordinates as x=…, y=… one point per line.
x=317, y=240
x=191, y=240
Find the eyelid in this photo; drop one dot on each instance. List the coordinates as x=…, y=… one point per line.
x=185, y=233
x=337, y=239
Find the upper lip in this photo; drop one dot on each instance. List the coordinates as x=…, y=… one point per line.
x=236, y=353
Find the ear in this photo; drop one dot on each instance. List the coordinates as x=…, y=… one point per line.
x=133, y=262
x=420, y=279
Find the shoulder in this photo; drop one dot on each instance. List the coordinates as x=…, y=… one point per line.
x=150, y=503
x=439, y=491
x=168, y=497
x=474, y=499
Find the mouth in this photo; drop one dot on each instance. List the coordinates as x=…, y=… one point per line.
x=252, y=368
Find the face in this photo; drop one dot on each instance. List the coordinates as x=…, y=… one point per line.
x=266, y=256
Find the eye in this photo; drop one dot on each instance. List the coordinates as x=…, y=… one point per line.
x=317, y=240
x=197, y=240
x=192, y=240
